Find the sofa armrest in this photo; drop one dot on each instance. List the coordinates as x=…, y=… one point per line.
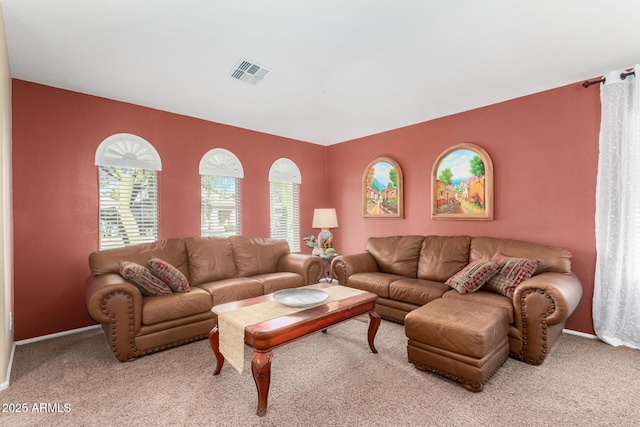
x=558, y=296
x=117, y=305
x=308, y=266
x=542, y=304
x=344, y=266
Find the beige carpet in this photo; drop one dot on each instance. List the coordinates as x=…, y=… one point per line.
x=323, y=380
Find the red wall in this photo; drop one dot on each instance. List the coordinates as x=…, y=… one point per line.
x=544, y=149
x=55, y=189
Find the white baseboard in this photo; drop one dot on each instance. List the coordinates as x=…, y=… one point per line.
x=5, y=384
x=56, y=335
x=581, y=334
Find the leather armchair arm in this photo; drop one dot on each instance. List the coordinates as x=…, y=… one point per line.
x=558, y=297
x=308, y=266
x=117, y=305
x=542, y=304
x=344, y=266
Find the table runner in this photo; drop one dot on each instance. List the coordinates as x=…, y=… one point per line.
x=231, y=324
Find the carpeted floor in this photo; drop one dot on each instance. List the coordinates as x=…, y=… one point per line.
x=327, y=379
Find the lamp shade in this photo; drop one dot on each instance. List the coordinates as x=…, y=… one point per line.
x=325, y=218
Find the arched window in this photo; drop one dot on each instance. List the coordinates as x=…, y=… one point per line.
x=128, y=180
x=284, y=184
x=220, y=172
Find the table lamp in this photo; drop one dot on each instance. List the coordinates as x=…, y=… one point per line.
x=325, y=219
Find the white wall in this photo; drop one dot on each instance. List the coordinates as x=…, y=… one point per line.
x=6, y=262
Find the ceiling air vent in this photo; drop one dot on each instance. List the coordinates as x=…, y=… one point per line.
x=248, y=71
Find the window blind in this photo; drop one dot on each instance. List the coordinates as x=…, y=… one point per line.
x=220, y=206
x=284, y=206
x=128, y=206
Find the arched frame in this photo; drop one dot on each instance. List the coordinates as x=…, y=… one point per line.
x=221, y=162
x=285, y=170
x=128, y=151
x=382, y=189
x=462, y=184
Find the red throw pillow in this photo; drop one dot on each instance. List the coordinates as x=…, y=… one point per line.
x=513, y=271
x=141, y=277
x=169, y=275
x=473, y=276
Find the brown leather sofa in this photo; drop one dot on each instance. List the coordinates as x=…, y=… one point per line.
x=219, y=270
x=407, y=272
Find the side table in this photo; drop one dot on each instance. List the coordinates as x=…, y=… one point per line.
x=326, y=271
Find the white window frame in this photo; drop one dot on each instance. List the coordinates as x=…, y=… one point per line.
x=221, y=173
x=284, y=206
x=127, y=166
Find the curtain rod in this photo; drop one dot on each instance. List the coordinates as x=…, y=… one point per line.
x=602, y=80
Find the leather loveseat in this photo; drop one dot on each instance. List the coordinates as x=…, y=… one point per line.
x=407, y=272
x=219, y=270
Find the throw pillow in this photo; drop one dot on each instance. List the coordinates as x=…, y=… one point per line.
x=169, y=275
x=513, y=271
x=473, y=276
x=141, y=277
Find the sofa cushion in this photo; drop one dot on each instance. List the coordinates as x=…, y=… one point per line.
x=473, y=276
x=274, y=282
x=171, y=250
x=169, y=275
x=443, y=256
x=416, y=291
x=513, y=271
x=210, y=258
x=175, y=306
x=235, y=289
x=145, y=281
x=396, y=254
x=374, y=282
x=484, y=298
x=256, y=255
x=552, y=259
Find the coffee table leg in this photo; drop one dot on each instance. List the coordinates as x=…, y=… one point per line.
x=374, y=323
x=261, y=369
x=214, y=341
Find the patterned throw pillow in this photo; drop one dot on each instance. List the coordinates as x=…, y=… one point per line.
x=513, y=271
x=169, y=275
x=473, y=276
x=141, y=277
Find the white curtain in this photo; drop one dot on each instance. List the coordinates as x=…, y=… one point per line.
x=616, y=298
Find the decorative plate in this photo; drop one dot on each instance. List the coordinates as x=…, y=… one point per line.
x=300, y=297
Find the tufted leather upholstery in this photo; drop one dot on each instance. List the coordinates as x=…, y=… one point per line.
x=219, y=270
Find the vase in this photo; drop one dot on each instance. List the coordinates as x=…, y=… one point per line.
x=316, y=251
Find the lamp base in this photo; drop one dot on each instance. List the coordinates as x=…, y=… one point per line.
x=325, y=239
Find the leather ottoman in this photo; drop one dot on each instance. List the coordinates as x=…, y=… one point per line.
x=460, y=340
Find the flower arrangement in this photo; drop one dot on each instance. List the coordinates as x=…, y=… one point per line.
x=311, y=241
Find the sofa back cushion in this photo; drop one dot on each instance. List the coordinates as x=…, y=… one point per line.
x=257, y=255
x=443, y=256
x=172, y=251
x=396, y=254
x=552, y=259
x=210, y=258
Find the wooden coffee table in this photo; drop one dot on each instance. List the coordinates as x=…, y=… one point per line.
x=265, y=336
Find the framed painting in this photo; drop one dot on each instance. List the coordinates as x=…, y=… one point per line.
x=462, y=184
x=382, y=189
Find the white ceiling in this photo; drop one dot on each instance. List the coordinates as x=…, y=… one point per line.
x=339, y=69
